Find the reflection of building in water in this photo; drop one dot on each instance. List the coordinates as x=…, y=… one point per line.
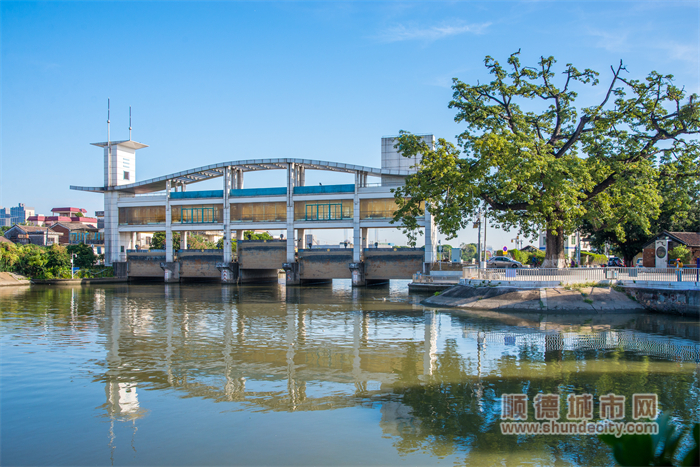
x=553, y=343
x=430, y=342
x=122, y=399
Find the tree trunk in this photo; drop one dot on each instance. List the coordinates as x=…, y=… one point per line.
x=629, y=260
x=554, y=255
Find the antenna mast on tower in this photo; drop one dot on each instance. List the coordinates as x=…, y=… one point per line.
x=129, y=123
x=109, y=148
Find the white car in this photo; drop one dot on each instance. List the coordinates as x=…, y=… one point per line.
x=501, y=262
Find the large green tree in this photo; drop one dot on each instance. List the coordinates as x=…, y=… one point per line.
x=679, y=211
x=534, y=161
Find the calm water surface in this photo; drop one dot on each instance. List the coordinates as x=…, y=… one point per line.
x=202, y=374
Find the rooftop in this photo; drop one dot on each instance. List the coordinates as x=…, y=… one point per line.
x=126, y=143
x=75, y=226
x=200, y=174
x=69, y=210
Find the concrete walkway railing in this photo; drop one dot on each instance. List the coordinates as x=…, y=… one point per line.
x=581, y=275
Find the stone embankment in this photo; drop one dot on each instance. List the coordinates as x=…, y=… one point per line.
x=8, y=279
x=570, y=299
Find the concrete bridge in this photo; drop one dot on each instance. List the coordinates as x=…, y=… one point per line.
x=164, y=204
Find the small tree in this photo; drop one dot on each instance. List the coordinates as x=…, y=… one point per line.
x=682, y=252
x=85, y=256
x=158, y=241
x=468, y=251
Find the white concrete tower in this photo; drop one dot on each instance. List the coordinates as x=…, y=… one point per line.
x=119, y=169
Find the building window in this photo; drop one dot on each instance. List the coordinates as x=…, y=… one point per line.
x=198, y=214
x=383, y=208
x=142, y=215
x=323, y=210
x=126, y=175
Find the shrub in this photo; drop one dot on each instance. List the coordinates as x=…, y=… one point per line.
x=682, y=252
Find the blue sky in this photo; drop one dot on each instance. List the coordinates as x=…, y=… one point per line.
x=217, y=81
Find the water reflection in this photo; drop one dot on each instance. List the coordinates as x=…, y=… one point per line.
x=434, y=376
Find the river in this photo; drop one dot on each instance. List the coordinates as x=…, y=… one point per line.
x=204, y=374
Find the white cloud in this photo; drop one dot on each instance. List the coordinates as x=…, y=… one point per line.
x=684, y=52
x=408, y=33
x=612, y=42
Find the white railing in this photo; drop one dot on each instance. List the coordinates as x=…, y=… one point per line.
x=582, y=275
x=433, y=278
x=142, y=195
x=388, y=184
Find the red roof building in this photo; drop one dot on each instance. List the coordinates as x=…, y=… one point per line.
x=63, y=215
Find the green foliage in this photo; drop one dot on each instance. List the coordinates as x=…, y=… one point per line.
x=682, y=252
x=34, y=261
x=96, y=272
x=220, y=245
x=250, y=235
x=660, y=449
x=446, y=251
x=469, y=251
x=555, y=167
x=198, y=242
x=593, y=259
x=679, y=212
x=85, y=256
x=4, y=229
x=158, y=241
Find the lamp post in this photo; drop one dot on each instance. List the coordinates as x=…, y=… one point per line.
x=440, y=251
x=72, y=255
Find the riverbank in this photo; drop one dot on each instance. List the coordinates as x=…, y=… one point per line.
x=556, y=299
x=571, y=299
x=79, y=281
x=8, y=279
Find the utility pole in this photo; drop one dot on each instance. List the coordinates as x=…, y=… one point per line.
x=478, y=242
x=486, y=224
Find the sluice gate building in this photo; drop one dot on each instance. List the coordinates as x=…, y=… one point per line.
x=169, y=204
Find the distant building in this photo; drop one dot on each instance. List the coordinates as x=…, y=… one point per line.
x=16, y=215
x=63, y=215
x=5, y=219
x=100, y=215
x=569, y=243
x=36, y=235
x=673, y=239
x=77, y=232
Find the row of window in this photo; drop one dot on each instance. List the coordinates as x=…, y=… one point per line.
x=259, y=212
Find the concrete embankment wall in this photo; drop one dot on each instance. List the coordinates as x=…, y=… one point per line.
x=262, y=254
x=559, y=300
x=199, y=264
x=325, y=263
x=668, y=301
x=396, y=263
x=145, y=264
x=11, y=280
